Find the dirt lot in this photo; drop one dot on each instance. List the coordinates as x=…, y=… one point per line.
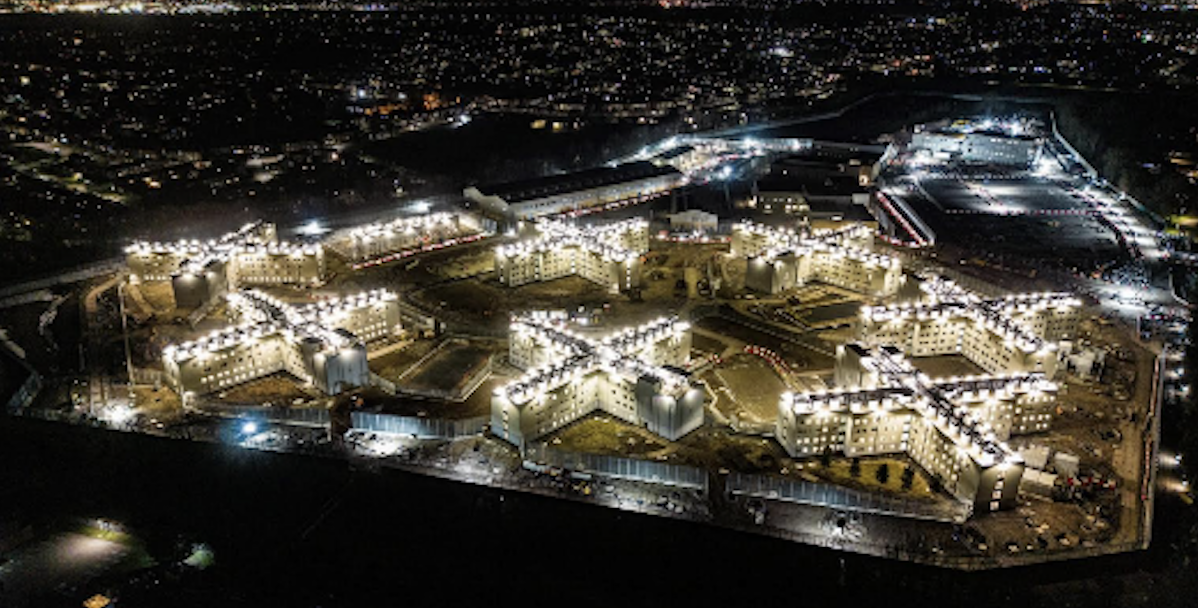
x=276, y=389
x=748, y=388
x=945, y=366
x=391, y=365
x=449, y=367
x=609, y=436
x=161, y=403
x=159, y=295
x=798, y=357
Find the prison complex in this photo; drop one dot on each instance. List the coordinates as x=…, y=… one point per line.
x=321, y=343
x=636, y=375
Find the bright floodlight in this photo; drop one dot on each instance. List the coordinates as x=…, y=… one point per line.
x=312, y=228
x=249, y=427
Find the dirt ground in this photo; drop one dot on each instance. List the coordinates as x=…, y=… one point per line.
x=748, y=388
x=449, y=367
x=393, y=364
x=275, y=389
x=798, y=357
x=159, y=295
x=161, y=403
x=945, y=366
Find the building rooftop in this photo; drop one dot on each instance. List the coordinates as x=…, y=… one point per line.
x=552, y=185
x=829, y=185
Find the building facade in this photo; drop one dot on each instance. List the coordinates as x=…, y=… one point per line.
x=636, y=375
x=556, y=194
x=1012, y=333
x=609, y=254
x=992, y=147
x=321, y=343
x=955, y=429
x=408, y=234
x=777, y=259
x=201, y=271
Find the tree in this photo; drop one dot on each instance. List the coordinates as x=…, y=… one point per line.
x=882, y=474
x=855, y=468
x=908, y=477
x=825, y=458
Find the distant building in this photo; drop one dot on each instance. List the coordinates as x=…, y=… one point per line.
x=829, y=182
x=636, y=375
x=201, y=271
x=779, y=259
x=861, y=163
x=608, y=254
x=977, y=144
x=321, y=343
x=694, y=220
x=827, y=198
x=403, y=235
x=955, y=429
x=555, y=194
x=683, y=158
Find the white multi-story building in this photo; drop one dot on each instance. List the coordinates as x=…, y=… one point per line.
x=1010, y=333
x=322, y=343
x=955, y=428
x=636, y=375
x=978, y=143
x=607, y=254
x=779, y=259
x=201, y=271
x=404, y=236
x=555, y=194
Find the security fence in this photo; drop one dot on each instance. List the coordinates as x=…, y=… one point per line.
x=418, y=427
x=621, y=468
x=300, y=416
x=145, y=376
x=827, y=495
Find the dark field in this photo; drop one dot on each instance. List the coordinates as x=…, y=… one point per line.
x=302, y=531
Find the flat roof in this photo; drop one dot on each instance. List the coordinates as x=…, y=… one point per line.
x=552, y=185
x=830, y=157
x=675, y=152
x=829, y=185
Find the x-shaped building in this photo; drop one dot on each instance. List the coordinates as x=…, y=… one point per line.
x=955, y=428
x=322, y=343
x=201, y=271
x=636, y=375
x=1009, y=333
